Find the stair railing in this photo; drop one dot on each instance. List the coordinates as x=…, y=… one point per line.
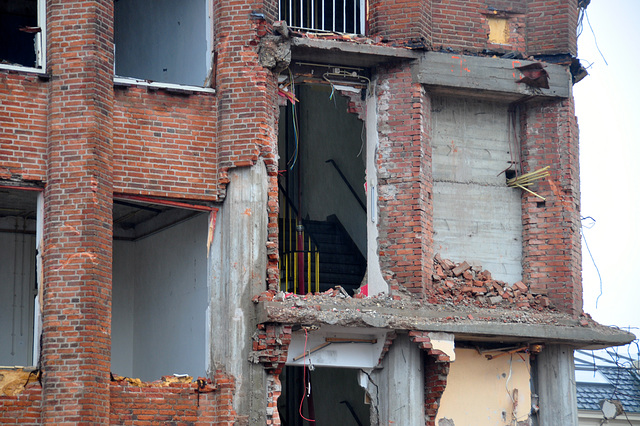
x=293, y=253
x=344, y=179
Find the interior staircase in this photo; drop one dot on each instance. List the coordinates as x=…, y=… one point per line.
x=341, y=262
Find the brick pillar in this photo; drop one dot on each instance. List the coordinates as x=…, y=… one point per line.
x=551, y=27
x=77, y=254
x=400, y=20
x=247, y=102
x=405, y=181
x=552, y=261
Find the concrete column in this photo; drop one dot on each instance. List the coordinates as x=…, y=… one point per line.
x=76, y=318
x=556, y=387
x=400, y=386
x=239, y=259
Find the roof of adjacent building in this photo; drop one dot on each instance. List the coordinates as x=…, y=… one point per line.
x=608, y=375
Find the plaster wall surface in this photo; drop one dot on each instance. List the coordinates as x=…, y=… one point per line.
x=160, y=302
x=329, y=132
x=376, y=282
x=480, y=391
x=400, y=385
x=162, y=40
x=477, y=218
x=238, y=261
x=17, y=290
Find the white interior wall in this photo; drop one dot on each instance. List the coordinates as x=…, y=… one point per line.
x=329, y=132
x=17, y=292
x=160, y=302
x=163, y=40
x=477, y=218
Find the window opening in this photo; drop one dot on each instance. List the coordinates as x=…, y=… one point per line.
x=164, y=41
x=22, y=31
x=323, y=224
x=340, y=16
x=20, y=211
x=160, y=291
x=331, y=396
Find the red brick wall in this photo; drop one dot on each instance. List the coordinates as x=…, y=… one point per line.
x=405, y=223
x=247, y=103
x=551, y=229
x=77, y=253
x=23, y=126
x=552, y=27
x=402, y=20
x=173, y=404
x=165, y=144
x=22, y=409
x=459, y=24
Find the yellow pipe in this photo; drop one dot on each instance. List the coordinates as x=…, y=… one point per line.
x=295, y=271
x=309, y=267
x=317, y=271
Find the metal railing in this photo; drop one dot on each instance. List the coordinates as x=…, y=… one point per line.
x=339, y=16
x=299, y=253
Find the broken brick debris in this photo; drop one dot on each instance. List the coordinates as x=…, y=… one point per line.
x=477, y=287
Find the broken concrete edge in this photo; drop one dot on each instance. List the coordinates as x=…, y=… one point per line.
x=455, y=72
x=557, y=329
x=349, y=53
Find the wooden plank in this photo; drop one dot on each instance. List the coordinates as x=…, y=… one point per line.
x=452, y=71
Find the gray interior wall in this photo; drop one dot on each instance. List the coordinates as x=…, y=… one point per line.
x=160, y=301
x=17, y=292
x=330, y=387
x=123, y=301
x=163, y=40
x=477, y=218
x=329, y=132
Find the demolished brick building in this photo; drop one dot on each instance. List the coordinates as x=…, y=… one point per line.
x=379, y=198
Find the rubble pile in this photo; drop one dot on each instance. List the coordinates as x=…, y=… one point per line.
x=463, y=284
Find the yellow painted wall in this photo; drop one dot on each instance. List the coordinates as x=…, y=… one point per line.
x=476, y=392
x=498, y=30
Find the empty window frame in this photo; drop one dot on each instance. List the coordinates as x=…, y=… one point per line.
x=20, y=230
x=160, y=290
x=164, y=41
x=22, y=33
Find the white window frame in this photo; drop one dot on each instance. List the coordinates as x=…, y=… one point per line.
x=133, y=81
x=40, y=46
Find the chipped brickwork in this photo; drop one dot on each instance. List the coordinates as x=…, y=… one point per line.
x=404, y=181
x=270, y=346
x=436, y=369
x=551, y=228
x=177, y=403
x=247, y=97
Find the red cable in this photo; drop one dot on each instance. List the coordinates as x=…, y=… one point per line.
x=304, y=377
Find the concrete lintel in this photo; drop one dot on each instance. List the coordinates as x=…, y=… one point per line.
x=558, y=329
x=347, y=53
x=457, y=73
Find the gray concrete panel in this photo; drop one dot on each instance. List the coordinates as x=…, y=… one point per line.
x=477, y=218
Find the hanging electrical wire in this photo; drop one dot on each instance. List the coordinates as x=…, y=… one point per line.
x=304, y=378
x=294, y=119
x=584, y=238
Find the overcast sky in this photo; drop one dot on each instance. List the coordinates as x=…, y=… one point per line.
x=608, y=110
